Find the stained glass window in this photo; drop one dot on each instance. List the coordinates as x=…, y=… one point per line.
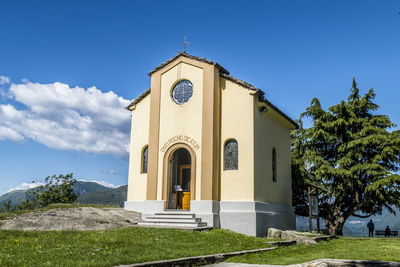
x=231, y=155
x=145, y=157
x=274, y=164
x=182, y=92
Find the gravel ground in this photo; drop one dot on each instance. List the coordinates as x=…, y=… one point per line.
x=83, y=218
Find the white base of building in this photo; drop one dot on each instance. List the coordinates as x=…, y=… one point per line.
x=207, y=210
x=254, y=218
x=249, y=218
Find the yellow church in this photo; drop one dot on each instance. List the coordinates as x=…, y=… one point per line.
x=209, y=150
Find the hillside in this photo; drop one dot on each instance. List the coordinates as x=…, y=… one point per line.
x=115, y=196
x=81, y=188
x=15, y=197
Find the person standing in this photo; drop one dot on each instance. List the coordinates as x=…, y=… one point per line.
x=371, y=228
x=387, y=231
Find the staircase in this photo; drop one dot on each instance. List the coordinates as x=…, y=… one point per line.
x=173, y=219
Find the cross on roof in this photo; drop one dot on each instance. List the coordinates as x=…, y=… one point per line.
x=184, y=44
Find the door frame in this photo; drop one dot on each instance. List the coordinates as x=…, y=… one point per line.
x=166, y=184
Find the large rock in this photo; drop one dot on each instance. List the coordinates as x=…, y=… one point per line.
x=291, y=235
x=79, y=218
x=274, y=233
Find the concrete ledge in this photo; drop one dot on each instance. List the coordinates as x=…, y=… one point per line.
x=348, y=263
x=137, y=206
x=254, y=218
x=194, y=229
x=147, y=206
x=207, y=210
x=198, y=260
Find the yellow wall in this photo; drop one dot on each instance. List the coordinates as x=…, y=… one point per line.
x=256, y=133
x=183, y=119
x=237, y=122
x=271, y=131
x=137, y=182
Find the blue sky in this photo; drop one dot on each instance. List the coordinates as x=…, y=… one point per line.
x=69, y=67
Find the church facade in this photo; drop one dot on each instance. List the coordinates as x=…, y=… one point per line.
x=206, y=143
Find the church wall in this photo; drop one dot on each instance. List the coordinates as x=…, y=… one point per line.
x=137, y=181
x=270, y=130
x=237, y=123
x=180, y=120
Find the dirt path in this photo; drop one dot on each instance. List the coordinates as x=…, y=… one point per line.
x=83, y=218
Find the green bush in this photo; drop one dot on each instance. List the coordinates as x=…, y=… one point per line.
x=57, y=189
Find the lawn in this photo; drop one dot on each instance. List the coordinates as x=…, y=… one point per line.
x=381, y=249
x=117, y=246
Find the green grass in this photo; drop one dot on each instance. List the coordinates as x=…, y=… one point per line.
x=6, y=215
x=381, y=249
x=115, y=247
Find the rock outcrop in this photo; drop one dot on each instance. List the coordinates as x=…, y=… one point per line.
x=81, y=218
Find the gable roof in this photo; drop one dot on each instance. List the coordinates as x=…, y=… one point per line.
x=261, y=98
x=201, y=59
x=223, y=73
x=138, y=99
x=240, y=82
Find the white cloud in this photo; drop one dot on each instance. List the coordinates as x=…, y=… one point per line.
x=113, y=172
x=67, y=118
x=4, y=80
x=25, y=186
x=103, y=183
x=8, y=133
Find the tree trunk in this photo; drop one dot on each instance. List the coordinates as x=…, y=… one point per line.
x=335, y=226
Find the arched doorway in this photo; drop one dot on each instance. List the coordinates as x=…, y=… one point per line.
x=179, y=177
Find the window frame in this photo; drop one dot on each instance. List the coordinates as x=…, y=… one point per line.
x=274, y=166
x=142, y=161
x=237, y=155
x=173, y=88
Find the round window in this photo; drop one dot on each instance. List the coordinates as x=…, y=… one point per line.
x=182, y=92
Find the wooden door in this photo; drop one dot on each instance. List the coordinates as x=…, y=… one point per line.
x=184, y=182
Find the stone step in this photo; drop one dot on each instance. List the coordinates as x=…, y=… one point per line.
x=173, y=224
x=168, y=219
x=175, y=213
x=171, y=216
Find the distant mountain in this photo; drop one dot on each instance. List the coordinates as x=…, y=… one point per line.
x=15, y=197
x=80, y=187
x=83, y=188
x=115, y=196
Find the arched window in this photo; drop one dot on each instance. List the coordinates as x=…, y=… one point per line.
x=145, y=157
x=274, y=164
x=231, y=155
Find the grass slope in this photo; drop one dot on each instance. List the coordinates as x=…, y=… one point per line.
x=381, y=249
x=115, y=247
x=115, y=196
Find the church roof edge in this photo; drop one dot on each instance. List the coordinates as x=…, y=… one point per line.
x=262, y=98
x=202, y=59
x=259, y=92
x=223, y=73
x=138, y=99
x=238, y=81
